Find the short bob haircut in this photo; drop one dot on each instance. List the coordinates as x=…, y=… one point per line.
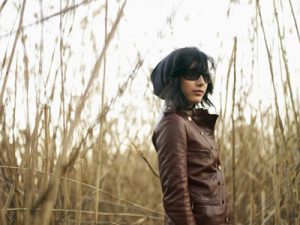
x=186, y=59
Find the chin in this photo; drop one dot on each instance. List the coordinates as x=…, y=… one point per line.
x=196, y=101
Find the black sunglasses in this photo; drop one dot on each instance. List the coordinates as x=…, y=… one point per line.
x=195, y=75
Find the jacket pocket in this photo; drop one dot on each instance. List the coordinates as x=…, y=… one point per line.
x=203, y=153
x=202, y=203
x=210, y=215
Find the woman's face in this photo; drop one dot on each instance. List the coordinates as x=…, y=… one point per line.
x=193, y=90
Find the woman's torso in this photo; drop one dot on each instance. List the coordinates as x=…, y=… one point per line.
x=205, y=177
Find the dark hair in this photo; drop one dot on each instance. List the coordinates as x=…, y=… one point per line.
x=184, y=60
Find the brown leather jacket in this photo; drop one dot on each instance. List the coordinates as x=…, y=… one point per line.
x=192, y=180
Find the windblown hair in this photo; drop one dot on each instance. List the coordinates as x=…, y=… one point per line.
x=187, y=59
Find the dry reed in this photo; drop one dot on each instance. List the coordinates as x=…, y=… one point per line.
x=66, y=169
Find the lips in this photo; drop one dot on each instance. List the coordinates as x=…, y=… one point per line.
x=198, y=91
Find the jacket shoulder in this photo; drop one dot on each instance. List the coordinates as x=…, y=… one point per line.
x=170, y=130
x=170, y=120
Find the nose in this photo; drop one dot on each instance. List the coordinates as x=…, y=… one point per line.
x=200, y=80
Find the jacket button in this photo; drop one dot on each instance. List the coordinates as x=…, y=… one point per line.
x=189, y=118
x=219, y=167
x=189, y=113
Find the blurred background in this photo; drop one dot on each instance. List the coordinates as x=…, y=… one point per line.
x=77, y=109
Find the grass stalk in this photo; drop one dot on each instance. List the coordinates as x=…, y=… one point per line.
x=28, y=159
x=62, y=78
x=141, y=154
x=295, y=20
x=46, y=18
x=263, y=207
x=251, y=213
x=134, y=215
x=57, y=168
x=16, y=174
x=233, y=131
x=276, y=178
x=2, y=5
x=100, y=149
x=7, y=203
x=279, y=120
x=78, y=193
x=287, y=73
x=50, y=194
x=46, y=154
x=86, y=185
x=226, y=95
x=3, y=88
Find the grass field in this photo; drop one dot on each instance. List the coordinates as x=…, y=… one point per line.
x=75, y=150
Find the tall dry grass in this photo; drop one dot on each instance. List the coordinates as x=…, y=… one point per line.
x=67, y=170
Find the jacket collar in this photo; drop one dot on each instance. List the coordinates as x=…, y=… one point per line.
x=200, y=115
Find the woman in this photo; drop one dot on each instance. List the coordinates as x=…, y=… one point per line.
x=191, y=175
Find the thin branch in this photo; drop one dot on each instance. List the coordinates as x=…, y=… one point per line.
x=100, y=153
x=295, y=21
x=272, y=74
x=83, y=185
x=140, y=153
x=61, y=12
x=2, y=5
x=287, y=72
x=12, y=55
x=233, y=130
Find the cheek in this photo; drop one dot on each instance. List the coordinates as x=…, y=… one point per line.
x=185, y=85
x=206, y=85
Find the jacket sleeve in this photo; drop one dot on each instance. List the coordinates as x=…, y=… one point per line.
x=170, y=142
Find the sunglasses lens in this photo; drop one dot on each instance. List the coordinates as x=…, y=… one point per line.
x=194, y=75
x=206, y=78
x=191, y=75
